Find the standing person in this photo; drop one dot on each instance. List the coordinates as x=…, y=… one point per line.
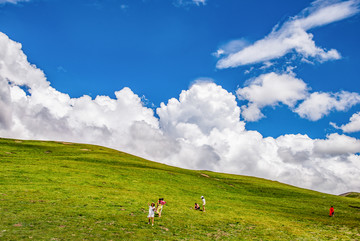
x=160, y=205
x=204, y=202
x=332, y=212
x=151, y=213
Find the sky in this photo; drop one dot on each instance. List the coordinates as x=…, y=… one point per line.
x=252, y=87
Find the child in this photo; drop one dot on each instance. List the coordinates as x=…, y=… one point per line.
x=151, y=213
x=197, y=206
x=203, y=199
x=160, y=204
x=332, y=212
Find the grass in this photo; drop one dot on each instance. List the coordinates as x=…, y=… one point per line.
x=66, y=191
x=351, y=194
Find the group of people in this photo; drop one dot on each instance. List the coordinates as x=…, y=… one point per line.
x=158, y=209
x=197, y=206
x=160, y=203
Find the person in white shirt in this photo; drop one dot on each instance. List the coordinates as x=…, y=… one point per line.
x=151, y=213
x=204, y=202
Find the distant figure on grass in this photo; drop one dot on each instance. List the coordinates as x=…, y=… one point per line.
x=159, y=206
x=332, y=212
x=197, y=206
x=203, y=200
x=151, y=213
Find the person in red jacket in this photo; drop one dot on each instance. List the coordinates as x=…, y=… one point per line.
x=332, y=212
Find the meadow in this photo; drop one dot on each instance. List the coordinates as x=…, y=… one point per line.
x=67, y=191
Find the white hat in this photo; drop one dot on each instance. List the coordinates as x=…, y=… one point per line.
x=202, y=197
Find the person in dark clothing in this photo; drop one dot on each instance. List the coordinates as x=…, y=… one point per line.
x=197, y=206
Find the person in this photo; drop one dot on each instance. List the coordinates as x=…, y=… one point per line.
x=197, y=206
x=151, y=213
x=160, y=205
x=332, y=212
x=204, y=202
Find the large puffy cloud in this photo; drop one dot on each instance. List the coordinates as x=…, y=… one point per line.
x=292, y=36
x=318, y=164
x=199, y=130
x=30, y=108
x=319, y=104
x=270, y=90
x=205, y=105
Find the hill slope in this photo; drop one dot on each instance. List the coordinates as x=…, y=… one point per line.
x=351, y=194
x=57, y=191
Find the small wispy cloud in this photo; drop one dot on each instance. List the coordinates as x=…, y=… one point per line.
x=12, y=1
x=182, y=3
x=199, y=2
x=292, y=36
x=231, y=47
x=61, y=69
x=124, y=7
x=352, y=126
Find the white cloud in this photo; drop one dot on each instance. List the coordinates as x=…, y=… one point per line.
x=293, y=37
x=319, y=104
x=199, y=130
x=13, y=1
x=270, y=90
x=232, y=46
x=352, y=126
x=251, y=112
x=199, y=2
x=181, y=3
x=336, y=144
x=45, y=113
x=205, y=104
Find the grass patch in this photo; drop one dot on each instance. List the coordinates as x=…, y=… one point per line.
x=66, y=191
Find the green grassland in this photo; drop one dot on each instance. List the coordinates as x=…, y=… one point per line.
x=66, y=191
x=351, y=194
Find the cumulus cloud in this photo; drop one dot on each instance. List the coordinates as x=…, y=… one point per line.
x=42, y=112
x=205, y=104
x=336, y=145
x=201, y=129
x=292, y=36
x=320, y=104
x=270, y=90
x=352, y=126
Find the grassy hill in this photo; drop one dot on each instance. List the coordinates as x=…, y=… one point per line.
x=65, y=191
x=351, y=194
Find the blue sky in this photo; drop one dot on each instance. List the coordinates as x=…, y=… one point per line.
x=158, y=48
x=292, y=67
